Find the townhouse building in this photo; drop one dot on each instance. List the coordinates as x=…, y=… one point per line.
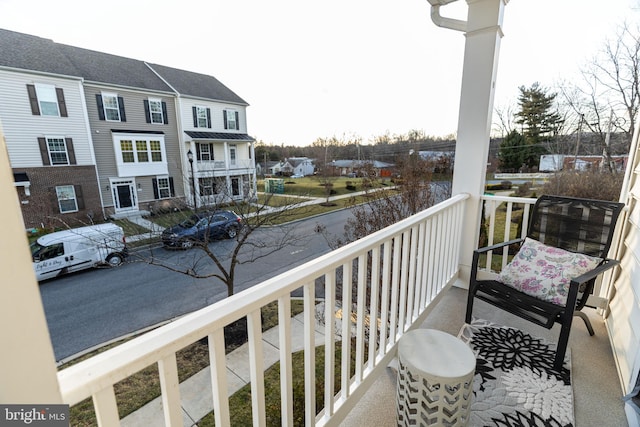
x=92, y=135
x=42, y=110
x=218, y=155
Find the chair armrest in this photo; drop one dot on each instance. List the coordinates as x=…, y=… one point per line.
x=604, y=266
x=477, y=252
x=497, y=246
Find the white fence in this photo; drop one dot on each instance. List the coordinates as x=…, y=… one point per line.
x=396, y=276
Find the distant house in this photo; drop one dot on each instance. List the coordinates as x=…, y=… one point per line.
x=301, y=165
x=558, y=162
x=357, y=167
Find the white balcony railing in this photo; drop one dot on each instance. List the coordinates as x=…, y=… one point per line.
x=219, y=165
x=396, y=275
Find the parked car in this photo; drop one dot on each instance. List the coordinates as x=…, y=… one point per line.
x=77, y=249
x=202, y=227
x=297, y=175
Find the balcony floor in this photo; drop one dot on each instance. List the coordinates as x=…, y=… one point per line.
x=596, y=387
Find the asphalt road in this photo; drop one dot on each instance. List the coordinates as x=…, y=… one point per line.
x=92, y=307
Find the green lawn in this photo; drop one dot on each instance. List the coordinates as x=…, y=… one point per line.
x=144, y=386
x=313, y=186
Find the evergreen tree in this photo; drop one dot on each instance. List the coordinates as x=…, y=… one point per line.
x=539, y=121
x=512, y=150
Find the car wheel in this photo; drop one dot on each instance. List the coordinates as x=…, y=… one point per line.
x=232, y=232
x=114, y=260
x=186, y=244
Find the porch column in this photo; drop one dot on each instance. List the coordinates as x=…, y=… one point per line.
x=28, y=372
x=482, y=46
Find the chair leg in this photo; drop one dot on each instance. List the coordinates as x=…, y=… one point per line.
x=586, y=320
x=470, y=297
x=563, y=341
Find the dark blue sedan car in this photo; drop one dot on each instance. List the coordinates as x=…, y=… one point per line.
x=201, y=228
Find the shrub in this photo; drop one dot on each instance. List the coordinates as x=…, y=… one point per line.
x=587, y=185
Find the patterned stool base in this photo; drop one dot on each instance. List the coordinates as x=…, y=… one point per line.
x=422, y=402
x=435, y=379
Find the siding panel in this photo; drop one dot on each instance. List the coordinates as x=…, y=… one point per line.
x=22, y=128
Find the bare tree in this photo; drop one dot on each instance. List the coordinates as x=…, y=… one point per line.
x=413, y=192
x=606, y=99
x=257, y=238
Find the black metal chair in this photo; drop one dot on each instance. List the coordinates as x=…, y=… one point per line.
x=576, y=225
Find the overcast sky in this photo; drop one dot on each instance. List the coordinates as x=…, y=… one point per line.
x=312, y=69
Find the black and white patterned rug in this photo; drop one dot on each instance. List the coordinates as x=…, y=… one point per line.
x=514, y=383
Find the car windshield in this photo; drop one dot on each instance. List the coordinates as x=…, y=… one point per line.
x=35, y=248
x=189, y=222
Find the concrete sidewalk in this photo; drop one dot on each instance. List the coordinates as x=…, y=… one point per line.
x=195, y=392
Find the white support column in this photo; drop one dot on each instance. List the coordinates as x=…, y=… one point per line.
x=28, y=373
x=482, y=46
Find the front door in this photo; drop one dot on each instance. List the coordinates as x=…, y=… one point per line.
x=235, y=187
x=124, y=196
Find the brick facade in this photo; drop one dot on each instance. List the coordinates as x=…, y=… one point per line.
x=40, y=208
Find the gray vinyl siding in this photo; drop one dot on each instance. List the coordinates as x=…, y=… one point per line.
x=135, y=121
x=22, y=128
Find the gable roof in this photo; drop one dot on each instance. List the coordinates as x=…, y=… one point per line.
x=197, y=85
x=116, y=70
x=27, y=52
x=23, y=51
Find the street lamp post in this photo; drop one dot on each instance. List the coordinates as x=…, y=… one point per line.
x=193, y=180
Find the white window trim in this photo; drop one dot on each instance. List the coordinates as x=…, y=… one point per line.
x=206, y=119
x=104, y=106
x=232, y=113
x=159, y=188
x=233, y=159
x=66, y=150
x=41, y=90
x=136, y=168
x=159, y=101
x=75, y=198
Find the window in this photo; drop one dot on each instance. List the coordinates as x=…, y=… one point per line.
x=232, y=154
x=110, y=107
x=164, y=187
x=144, y=150
x=205, y=151
x=57, y=151
x=156, y=151
x=46, y=100
x=207, y=186
x=231, y=119
x=140, y=154
x=111, y=110
x=126, y=147
x=201, y=117
x=156, y=111
x=66, y=198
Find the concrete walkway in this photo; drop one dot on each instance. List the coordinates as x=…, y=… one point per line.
x=195, y=392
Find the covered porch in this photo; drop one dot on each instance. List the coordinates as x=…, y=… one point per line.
x=409, y=275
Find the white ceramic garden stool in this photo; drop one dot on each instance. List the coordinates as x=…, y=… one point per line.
x=435, y=379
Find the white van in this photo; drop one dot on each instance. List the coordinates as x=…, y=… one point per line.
x=76, y=249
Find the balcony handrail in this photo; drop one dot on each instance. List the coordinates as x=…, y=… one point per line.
x=96, y=376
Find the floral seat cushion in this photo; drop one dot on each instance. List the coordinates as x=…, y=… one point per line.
x=545, y=272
